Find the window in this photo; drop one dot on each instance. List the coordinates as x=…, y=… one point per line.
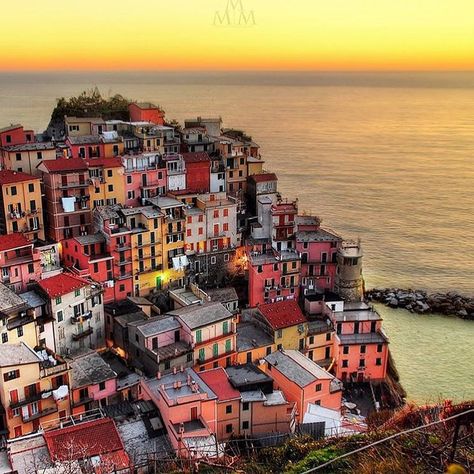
x=19, y=331
x=58, y=300
x=363, y=349
x=318, y=387
x=279, y=334
x=228, y=409
x=13, y=188
x=200, y=231
x=311, y=339
x=102, y=386
x=344, y=363
x=8, y=138
x=202, y=355
x=228, y=428
x=345, y=350
x=249, y=357
x=328, y=336
x=269, y=350
x=378, y=361
x=215, y=350
x=225, y=327
x=11, y=375
x=225, y=227
x=279, y=347
x=77, y=292
x=213, y=260
x=111, y=187
x=259, y=269
x=167, y=364
x=31, y=188
x=216, y=213
x=59, y=316
x=129, y=179
x=188, y=232
x=379, y=347
x=109, y=173
x=199, y=335
x=4, y=337
x=15, y=226
x=245, y=425
x=31, y=268
x=362, y=363
x=18, y=156
x=226, y=257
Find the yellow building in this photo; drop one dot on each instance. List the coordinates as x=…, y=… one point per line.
x=146, y=224
x=320, y=343
x=20, y=207
x=82, y=126
x=106, y=181
x=286, y=322
x=17, y=320
x=254, y=342
x=254, y=165
x=34, y=389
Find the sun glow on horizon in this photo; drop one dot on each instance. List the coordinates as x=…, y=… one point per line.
x=238, y=35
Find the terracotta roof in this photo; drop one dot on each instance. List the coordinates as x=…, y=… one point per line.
x=218, y=381
x=105, y=162
x=85, y=440
x=260, y=178
x=61, y=284
x=62, y=164
x=10, y=127
x=196, y=157
x=13, y=241
x=282, y=314
x=10, y=176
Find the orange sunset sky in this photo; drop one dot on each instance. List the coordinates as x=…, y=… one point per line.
x=272, y=35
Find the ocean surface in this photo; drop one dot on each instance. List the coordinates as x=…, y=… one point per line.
x=385, y=157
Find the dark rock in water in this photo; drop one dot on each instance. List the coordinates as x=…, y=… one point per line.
x=393, y=303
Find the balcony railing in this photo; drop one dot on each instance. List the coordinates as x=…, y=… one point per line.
x=81, y=318
x=33, y=397
x=81, y=335
x=74, y=184
x=124, y=276
x=40, y=414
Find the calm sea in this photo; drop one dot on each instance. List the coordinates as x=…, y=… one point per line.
x=388, y=158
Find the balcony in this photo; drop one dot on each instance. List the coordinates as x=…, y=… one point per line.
x=17, y=215
x=40, y=414
x=31, y=398
x=127, y=261
x=124, y=276
x=81, y=335
x=74, y=184
x=122, y=247
x=82, y=401
x=81, y=318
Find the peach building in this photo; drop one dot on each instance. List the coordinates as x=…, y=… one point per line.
x=27, y=156
x=106, y=181
x=188, y=407
x=228, y=402
x=303, y=381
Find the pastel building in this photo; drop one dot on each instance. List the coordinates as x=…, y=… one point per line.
x=211, y=328
x=106, y=181
x=94, y=383
x=198, y=175
x=146, y=112
x=15, y=135
x=20, y=205
x=67, y=198
x=77, y=310
x=83, y=126
x=175, y=172
x=303, y=381
x=159, y=344
x=34, y=389
x=27, y=156
x=145, y=177
x=228, y=402
x=360, y=345
x=20, y=264
x=196, y=139
x=318, y=249
x=188, y=407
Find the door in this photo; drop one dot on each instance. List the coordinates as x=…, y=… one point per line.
x=176, y=336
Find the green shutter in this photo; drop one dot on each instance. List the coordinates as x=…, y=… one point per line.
x=228, y=345
x=198, y=335
x=202, y=355
x=225, y=327
x=215, y=350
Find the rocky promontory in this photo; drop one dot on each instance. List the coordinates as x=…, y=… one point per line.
x=419, y=301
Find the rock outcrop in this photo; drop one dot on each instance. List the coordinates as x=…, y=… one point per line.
x=419, y=301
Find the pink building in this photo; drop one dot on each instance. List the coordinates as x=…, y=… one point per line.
x=360, y=345
x=145, y=177
x=19, y=263
x=303, y=381
x=318, y=249
x=189, y=409
x=94, y=383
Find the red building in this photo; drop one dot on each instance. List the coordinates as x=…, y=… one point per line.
x=318, y=249
x=198, y=172
x=146, y=112
x=15, y=135
x=87, y=256
x=66, y=188
x=20, y=264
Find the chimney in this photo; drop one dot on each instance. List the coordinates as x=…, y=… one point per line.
x=178, y=384
x=181, y=368
x=158, y=375
x=174, y=370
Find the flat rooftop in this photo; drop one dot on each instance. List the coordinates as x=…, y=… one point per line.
x=250, y=336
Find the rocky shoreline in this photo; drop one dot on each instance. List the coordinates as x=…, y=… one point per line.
x=419, y=301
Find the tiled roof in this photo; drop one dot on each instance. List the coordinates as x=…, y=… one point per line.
x=105, y=162
x=84, y=140
x=85, y=440
x=197, y=316
x=61, y=284
x=13, y=241
x=35, y=146
x=90, y=369
x=260, y=178
x=196, y=157
x=219, y=383
x=17, y=354
x=282, y=314
x=10, y=177
x=62, y=164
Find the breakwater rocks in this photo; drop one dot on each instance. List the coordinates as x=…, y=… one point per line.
x=419, y=301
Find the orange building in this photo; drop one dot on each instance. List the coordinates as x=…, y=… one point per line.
x=146, y=112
